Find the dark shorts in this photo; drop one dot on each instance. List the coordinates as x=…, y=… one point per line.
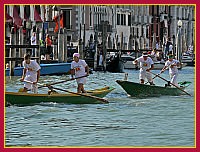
x=48, y=50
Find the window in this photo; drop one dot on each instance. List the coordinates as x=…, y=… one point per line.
x=157, y=10
x=152, y=30
x=147, y=32
x=90, y=17
x=129, y=20
x=122, y=19
x=157, y=30
x=118, y=19
x=177, y=12
x=152, y=10
x=83, y=15
x=67, y=19
x=142, y=30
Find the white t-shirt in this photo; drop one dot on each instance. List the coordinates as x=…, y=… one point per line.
x=79, y=67
x=145, y=64
x=174, y=69
x=32, y=68
x=33, y=40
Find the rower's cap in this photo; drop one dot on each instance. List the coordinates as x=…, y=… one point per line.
x=170, y=56
x=145, y=54
x=76, y=54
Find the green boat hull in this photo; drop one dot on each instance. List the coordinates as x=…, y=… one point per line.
x=18, y=98
x=142, y=90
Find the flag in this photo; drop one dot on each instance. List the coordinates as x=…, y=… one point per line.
x=56, y=20
x=16, y=17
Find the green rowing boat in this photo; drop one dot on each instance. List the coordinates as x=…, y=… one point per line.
x=143, y=90
x=19, y=98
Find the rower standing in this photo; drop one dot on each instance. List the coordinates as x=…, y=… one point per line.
x=31, y=73
x=146, y=64
x=79, y=68
x=173, y=70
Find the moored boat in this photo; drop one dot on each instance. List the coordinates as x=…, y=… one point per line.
x=46, y=69
x=143, y=90
x=19, y=98
x=188, y=59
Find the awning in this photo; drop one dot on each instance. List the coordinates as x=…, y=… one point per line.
x=9, y=19
x=16, y=17
x=37, y=17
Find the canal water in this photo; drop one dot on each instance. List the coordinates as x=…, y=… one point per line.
x=126, y=121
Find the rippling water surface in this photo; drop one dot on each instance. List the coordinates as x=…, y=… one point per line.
x=125, y=121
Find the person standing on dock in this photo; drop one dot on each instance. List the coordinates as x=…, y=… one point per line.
x=48, y=47
x=173, y=70
x=31, y=74
x=79, y=68
x=146, y=64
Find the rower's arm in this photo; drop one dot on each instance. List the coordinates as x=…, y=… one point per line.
x=151, y=68
x=135, y=62
x=38, y=75
x=87, y=69
x=24, y=73
x=163, y=69
x=72, y=71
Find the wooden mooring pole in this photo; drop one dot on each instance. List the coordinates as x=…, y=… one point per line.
x=12, y=53
x=60, y=45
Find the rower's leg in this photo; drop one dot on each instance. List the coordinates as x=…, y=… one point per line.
x=80, y=88
x=25, y=89
x=174, y=79
x=149, y=78
x=34, y=88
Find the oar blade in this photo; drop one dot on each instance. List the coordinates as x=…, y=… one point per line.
x=184, y=83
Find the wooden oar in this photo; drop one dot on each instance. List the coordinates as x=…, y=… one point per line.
x=46, y=85
x=159, y=73
x=21, y=89
x=31, y=82
x=85, y=95
x=65, y=80
x=171, y=83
